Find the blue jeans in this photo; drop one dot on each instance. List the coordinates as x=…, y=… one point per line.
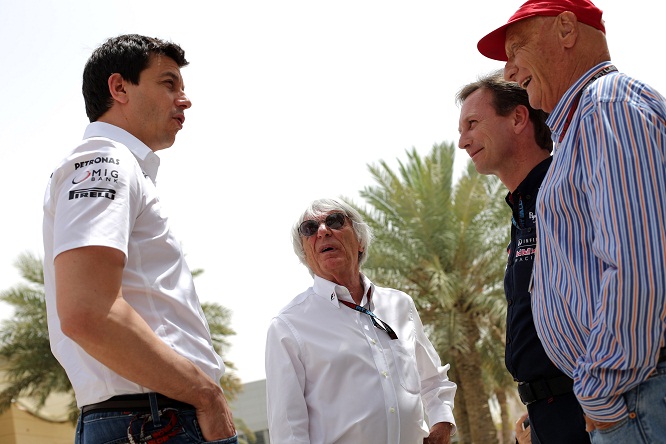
x=174, y=427
x=648, y=402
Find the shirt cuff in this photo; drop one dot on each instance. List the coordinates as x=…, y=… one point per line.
x=443, y=414
x=608, y=409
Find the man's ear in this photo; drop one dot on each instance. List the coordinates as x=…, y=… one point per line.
x=521, y=117
x=567, y=29
x=117, y=88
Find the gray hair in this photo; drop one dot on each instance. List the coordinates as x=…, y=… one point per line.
x=320, y=207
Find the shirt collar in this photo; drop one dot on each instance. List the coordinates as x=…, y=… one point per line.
x=557, y=119
x=148, y=160
x=333, y=292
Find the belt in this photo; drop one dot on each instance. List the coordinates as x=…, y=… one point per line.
x=545, y=388
x=138, y=402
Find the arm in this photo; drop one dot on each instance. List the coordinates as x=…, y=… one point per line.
x=288, y=419
x=94, y=314
x=437, y=391
x=626, y=194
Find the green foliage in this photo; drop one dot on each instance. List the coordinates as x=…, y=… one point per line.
x=219, y=319
x=29, y=366
x=440, y=242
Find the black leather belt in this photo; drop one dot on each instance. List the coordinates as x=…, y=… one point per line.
x=138, y=402
x=662, y=355
x=546, y=388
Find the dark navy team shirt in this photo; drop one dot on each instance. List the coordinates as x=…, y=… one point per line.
x=525, y=357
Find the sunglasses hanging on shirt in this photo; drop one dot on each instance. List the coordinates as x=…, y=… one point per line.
x=375, y=320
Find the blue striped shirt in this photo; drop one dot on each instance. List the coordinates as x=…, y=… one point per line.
x=599, y=295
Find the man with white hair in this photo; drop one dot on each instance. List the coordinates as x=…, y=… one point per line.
x=347, y=361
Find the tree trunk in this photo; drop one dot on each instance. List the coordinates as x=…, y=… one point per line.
x=469, y=373
x=460, y=408
x=507, y=425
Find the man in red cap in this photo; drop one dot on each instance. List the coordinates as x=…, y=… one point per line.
x=599, y=293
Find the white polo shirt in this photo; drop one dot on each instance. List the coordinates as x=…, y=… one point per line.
x=104, y=194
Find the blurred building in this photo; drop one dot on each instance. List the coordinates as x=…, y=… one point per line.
x=23, y=423
x=251, y=408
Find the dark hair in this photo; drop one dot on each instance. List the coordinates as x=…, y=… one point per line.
x=127, y=55
x=506, y=97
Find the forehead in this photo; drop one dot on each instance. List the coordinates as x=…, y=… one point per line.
x=162, y=65
x=479, y=102
x=520, y=33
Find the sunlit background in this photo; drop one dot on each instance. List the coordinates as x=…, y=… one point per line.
x=291, y=101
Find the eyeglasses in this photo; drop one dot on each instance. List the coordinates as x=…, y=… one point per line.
x=334, y=221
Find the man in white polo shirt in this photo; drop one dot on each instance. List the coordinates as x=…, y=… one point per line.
x=124, y=318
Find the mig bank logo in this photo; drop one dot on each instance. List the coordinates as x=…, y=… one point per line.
x=92, y=192
x=99, y=175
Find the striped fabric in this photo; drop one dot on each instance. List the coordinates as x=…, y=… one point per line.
x=599, y=295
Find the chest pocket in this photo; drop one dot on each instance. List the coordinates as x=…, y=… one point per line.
x=405, y=364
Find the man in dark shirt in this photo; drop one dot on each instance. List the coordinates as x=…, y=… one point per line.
x=504, y=136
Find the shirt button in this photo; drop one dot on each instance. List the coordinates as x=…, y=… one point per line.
x=373, y=342
x=385, y=374
x=510, y=301
x=392, y=410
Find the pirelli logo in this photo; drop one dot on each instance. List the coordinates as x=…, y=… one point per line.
x=92, y=192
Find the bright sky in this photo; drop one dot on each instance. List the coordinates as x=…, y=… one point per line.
x=291, y=101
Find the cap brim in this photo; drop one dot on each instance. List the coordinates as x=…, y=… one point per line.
x=492, y=45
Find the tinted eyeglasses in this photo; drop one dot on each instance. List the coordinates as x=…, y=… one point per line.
x=334, y=221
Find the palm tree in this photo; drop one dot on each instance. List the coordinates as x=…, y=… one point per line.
x=440, y=242
x=30, y=369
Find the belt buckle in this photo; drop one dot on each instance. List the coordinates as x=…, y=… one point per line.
x=526, y=386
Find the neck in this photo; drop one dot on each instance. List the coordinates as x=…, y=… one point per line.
x=356, y=289
x=520, y=169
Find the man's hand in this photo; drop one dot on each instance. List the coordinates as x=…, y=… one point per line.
x=523, y=435
x=440, y=433
x=215, y=418
x=591, y=424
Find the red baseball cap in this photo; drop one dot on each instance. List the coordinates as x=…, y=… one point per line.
x=492, y=45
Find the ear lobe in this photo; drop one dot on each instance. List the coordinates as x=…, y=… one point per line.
x=117, y=88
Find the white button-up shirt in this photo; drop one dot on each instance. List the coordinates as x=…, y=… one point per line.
x=104, y=194
x=333, y=377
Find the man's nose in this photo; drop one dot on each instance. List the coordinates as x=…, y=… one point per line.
x=510, y=72
x=183, y=101
x=323, y=229
x=463, y=141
